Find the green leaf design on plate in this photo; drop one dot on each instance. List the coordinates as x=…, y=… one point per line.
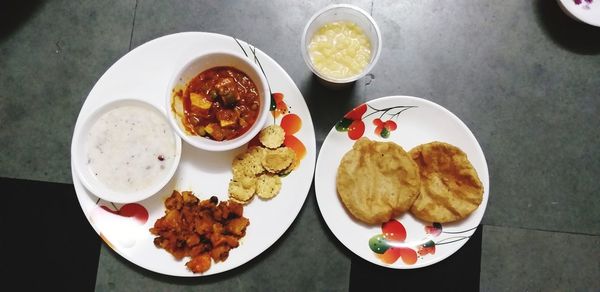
x=273, y=105
x=343, y=125
x=378, y=244
x=429, y=244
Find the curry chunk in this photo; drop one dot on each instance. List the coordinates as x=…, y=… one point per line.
x=200, y=101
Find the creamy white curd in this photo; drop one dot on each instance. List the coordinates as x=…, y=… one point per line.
x=340, y=50
x=130, y=147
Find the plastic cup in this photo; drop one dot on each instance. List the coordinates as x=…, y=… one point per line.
x=342, y=12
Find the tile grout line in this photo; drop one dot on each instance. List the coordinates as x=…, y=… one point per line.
x=543, y=230
x=133, y=24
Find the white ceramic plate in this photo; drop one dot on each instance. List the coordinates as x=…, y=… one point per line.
x=587, y=11
x=418, y=121
x=144, y=74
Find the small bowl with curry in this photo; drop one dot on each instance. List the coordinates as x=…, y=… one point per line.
x=218, y=101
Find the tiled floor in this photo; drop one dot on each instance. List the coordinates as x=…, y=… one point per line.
x=530, y=260
x=520, y=74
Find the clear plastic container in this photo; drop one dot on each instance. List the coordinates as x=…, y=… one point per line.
x=342, y=12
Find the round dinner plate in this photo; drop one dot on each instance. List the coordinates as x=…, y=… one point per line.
x=417, y=121
x=143, y=74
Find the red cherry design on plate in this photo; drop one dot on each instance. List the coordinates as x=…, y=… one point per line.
x=390, y=256
x=426, y=248
x=394, y=230
x=291, y=124
x=378, y=122
x=383, y=129
x=356, y=130
x=435, y=229
x=132, y=210
x=278, y=105
x=357, y=113
x=390, y=125
x=409, y=256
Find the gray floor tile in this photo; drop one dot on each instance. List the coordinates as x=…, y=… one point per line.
x=275, y=27
x=528, y=260
x=51, y=58
x=525, y=86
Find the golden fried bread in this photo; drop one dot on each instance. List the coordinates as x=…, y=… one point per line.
x=377, y=181
x=450, y=187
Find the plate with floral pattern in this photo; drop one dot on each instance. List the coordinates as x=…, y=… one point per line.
x=404, y=242
x=143, y=74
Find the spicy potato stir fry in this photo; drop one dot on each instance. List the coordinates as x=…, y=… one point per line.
x=202, y=230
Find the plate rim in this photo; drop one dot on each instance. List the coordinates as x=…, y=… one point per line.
x=469, y=134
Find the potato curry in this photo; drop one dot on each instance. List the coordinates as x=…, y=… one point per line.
x=202, y=230
x=221, y=103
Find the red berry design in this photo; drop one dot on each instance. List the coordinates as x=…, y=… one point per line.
x=291, y=124
x=378, y=131
x=426, y=248
x=409, y=256
x=378, y=123
x=390, y=125
x=435, y=229
x=384, y=129
x=390, y=256
x=278, y=105
x=394, y=230
x=357, y=113
x=133, y=210
x=356, y=129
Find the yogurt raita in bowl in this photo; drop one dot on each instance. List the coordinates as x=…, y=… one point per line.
x=126, y=151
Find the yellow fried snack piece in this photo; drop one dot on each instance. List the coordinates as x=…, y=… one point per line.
x=290, y=168
x=276, y=160
x=248, y=163
x=377, y=181
x=450, y=186
x=242, y=189
x=268, y=186
x=272, y=136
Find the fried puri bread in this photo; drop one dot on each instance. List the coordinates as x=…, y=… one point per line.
x=450, y=187
x=377, y=181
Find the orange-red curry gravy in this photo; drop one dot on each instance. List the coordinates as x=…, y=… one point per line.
x=220, y=103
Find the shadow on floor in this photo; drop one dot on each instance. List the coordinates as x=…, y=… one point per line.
x=328, y=103
x=13, y=14
x=566, y=32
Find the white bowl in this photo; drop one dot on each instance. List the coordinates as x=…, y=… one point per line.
x=342, y=12
x=191, y=68
x=584, y=11
x=116, y=152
